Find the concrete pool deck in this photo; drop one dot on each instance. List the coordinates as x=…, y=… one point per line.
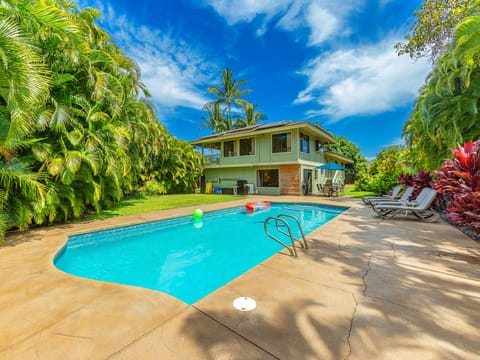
x=367, y=288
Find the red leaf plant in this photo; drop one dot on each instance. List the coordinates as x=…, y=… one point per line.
x=419, y=181
x=405, y=179
x=459, y=180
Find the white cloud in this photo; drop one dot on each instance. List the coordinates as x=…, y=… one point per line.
x=175, y=73
x=395, y=142
x=322, y=24
x=322, y=18
x=361, y=81
x=247, y=10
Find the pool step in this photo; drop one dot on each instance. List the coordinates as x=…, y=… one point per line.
x=280, y=221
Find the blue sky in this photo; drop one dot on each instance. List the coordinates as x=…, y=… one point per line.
x=328, y=62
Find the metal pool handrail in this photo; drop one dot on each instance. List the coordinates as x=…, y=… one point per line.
x=278, y=220
x=303, y=241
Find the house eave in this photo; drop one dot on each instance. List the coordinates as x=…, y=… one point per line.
x=274, y=128
x=338, y=157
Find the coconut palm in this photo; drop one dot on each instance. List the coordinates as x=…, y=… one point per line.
x=229, y=93
x=216, y=118
x=252, y=117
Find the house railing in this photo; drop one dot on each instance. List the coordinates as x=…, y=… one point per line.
x=211, y=159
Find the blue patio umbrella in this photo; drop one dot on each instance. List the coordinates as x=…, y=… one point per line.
x=332, y=166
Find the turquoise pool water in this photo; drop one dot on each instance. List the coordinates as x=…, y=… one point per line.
x=180, y=256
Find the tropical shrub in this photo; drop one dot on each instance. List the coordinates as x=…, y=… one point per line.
x=422, y=180
x=419, y=181
x=361, y=183
x=382, y=183
x=153, y=187
x=446, y=112
x=379, y=183
x=77, y=133
x=177, y=167
x=405, y=179
x=459, y=181
x=383, y=172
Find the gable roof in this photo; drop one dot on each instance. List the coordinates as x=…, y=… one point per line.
x=267, y=128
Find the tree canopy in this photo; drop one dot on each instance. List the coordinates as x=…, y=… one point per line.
x=228, y=94
x=432, y=32
x=77, y=132
x=352, y=151
x=382, y=174
x=446, y=112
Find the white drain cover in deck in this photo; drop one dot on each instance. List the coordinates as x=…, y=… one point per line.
x=244, y=304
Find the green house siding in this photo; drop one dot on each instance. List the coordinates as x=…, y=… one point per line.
x=295, y=156
x=264, y=155
x=227, y=178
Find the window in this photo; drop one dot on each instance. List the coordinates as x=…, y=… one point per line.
x=304, y=143
x=267, y=178
x=281, y=143
x=247, y=146
x=229, y=148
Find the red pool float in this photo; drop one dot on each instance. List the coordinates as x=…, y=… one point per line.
x=255, y=206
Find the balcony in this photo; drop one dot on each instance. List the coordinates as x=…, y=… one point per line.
x=211, y=159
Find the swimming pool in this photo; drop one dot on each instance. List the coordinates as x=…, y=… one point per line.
x=182, y=257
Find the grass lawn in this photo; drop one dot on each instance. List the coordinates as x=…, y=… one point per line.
x=356, y=194
x=163, y=202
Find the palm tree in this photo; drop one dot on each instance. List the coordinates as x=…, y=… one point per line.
x=252, y=117
x=229, y=93
x=24, y=80
x=24, y=87
x=76, y=132
x=216, y=118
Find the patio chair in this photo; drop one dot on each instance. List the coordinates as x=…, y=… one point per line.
x=373, y=201
x=395, y=195
x=327, y=189
x=421, y=208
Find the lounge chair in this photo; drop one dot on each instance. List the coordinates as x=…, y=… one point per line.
x=395, y=195
x=406, y=194
x=421, y=207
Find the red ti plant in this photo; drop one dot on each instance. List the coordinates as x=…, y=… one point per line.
x=419, y=181
x=405, y=179
x=422, y=180
x=459, y=180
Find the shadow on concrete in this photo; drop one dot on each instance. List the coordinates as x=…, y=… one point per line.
x=414, y=288
x=282, y=334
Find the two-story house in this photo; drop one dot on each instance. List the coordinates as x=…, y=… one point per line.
x=279, y=158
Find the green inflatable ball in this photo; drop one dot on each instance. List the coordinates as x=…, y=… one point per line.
x=197, y=214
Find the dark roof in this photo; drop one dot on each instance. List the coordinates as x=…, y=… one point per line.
x=260, y=127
